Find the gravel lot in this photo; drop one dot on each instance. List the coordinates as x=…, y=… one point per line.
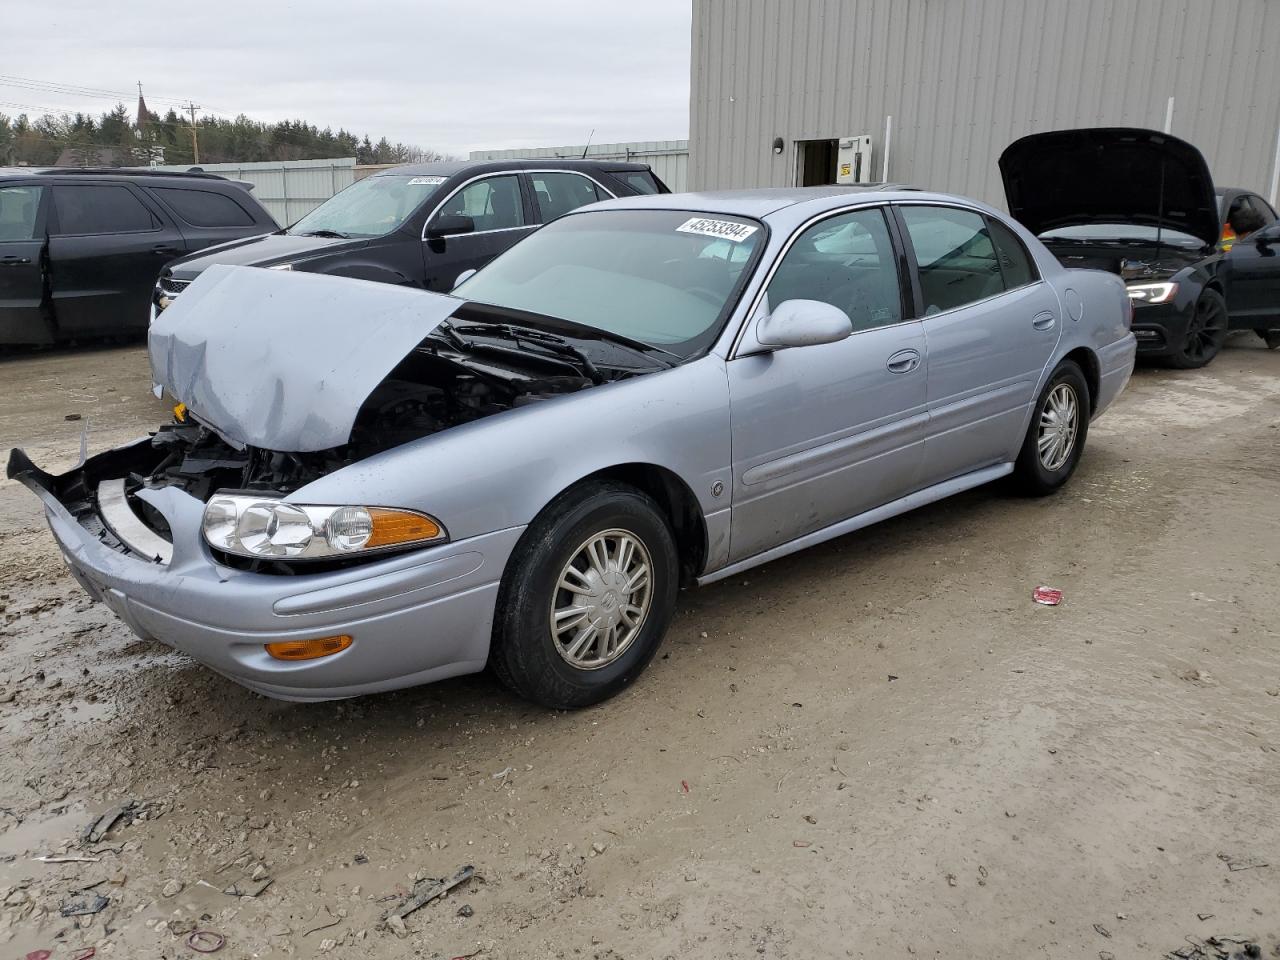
x=875, y=748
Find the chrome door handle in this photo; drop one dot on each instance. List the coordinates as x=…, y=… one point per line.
x=904, y=361
x=1044, y=321
x=12, y=261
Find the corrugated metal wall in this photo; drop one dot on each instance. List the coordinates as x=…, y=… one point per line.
x=964, y=78
x=668, y=158
x=289, y=189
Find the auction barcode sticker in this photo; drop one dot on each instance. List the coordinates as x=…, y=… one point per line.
x=724, y=229
x=427, y=181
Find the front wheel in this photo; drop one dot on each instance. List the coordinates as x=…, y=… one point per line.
x=587, y=597
x=1055, y=438
x=1206, y=333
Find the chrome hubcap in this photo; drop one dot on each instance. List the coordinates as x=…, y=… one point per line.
x=1059, y=420
x=601, y=599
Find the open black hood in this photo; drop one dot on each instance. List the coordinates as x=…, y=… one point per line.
x=1109, y=175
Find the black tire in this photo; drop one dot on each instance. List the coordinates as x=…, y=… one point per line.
x=524, y=654
x=1031, y=474
x=1206, y=333
x=1270, y=337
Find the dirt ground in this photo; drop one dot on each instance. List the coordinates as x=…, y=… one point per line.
x=879, y=747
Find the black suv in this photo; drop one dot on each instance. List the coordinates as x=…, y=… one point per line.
x=424, y=225
x=80, y=250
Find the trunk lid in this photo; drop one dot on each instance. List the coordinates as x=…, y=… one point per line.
x=1112, y=175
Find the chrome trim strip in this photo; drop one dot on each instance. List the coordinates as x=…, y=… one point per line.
x=124, y=523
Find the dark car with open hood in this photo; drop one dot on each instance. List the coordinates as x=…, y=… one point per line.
x=423, y=225
x=1142, y=204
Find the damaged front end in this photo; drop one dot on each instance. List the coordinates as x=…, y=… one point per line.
x=273, y=400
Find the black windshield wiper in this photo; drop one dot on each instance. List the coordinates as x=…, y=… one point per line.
x=326, y=233
x=521, y=337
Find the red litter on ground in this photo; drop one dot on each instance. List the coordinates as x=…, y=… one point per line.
x=39, y=955
x=1049, y=596
x=684, y=786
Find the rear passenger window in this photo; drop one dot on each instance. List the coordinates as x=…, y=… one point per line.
x=848, y=262
x=956, y=258
x=18, y=209
x=641, y=181
x=104, y=208
x=204, y=208
x=558, y=193
x=1015, y=262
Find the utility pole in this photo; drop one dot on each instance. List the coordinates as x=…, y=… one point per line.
x=195, y=143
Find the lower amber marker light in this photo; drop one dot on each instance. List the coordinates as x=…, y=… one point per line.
x=309, y=649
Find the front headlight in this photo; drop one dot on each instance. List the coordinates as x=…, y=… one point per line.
x=267, y=527
x=1152, y=292
x=281, y=266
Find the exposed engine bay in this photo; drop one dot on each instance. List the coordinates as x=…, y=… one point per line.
x=1126, y=259
x=437, y=386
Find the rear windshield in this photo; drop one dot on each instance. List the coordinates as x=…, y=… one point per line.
x=1123, y=233
x=668, y=278
x=370, y=207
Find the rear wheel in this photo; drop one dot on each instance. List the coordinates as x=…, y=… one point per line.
x=1206, y=333
x=587, y=597
x=1055, y=437
x=1270, y=337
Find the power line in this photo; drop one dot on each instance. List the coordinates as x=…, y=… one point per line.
x=53, y=86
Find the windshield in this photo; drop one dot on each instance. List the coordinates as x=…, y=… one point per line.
x=370, y=207
x=1124, y=233
x=665, y=277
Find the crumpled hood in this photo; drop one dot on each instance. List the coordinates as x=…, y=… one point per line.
x=283, y=360
x=1109, y=175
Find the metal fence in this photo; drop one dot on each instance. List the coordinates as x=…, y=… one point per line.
x=289, y=189
x=668, y=158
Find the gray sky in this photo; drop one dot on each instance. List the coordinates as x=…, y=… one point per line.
x=454, y=75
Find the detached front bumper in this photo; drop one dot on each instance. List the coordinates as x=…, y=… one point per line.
x=414, y=618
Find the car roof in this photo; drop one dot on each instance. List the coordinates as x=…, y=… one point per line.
x=448, y=168
x=113, y=173
x=763, y=202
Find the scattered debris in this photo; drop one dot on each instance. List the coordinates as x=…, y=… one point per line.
x=50, y=858
x=684, y=786
x=1202, y=917
x=892, y=677
x=466, y=910
x=1199, y=677
x=85, y=953
x=1235, y=864
x=360, y=858
x=952, y=880
x=172, y=888
x=1103, y=931
x=430, y=889
x=396, y=926
x=73, y=416
x=98, y=830
x=1106, y=955
x=597, y=847
x=800, y=843
x=1049, y=596
x=250, y=888
x=502, y=774
x=206, y=941
x=82, y=905
x=333, y=922
x=39, y=955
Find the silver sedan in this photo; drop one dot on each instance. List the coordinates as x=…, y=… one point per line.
x=367, y=487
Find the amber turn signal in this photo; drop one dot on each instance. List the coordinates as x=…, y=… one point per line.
x=309, y=649
x=400, y=526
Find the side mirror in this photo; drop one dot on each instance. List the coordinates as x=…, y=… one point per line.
x=803, y=323
x=463, y=277
x=449, y=224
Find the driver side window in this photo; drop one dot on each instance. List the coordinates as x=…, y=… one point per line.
x=846, y=261
x=493, y=203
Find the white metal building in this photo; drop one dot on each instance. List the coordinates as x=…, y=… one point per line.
x=668, y=158
x=289, y=189
x=802, y=91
